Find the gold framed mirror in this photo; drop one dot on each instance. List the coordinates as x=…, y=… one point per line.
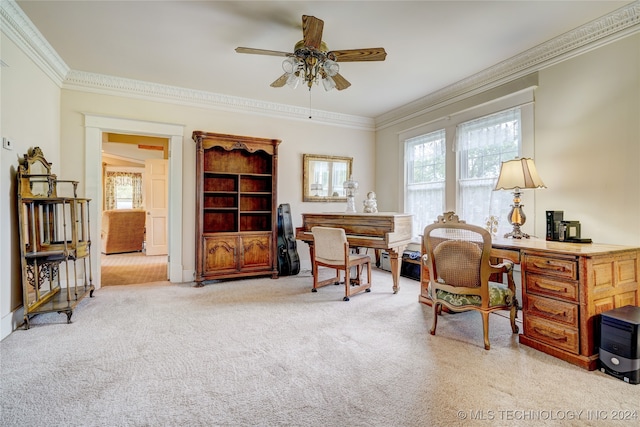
x=323, y=178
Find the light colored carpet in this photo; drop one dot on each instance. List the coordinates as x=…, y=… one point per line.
x=132, y=268
x=264, y=352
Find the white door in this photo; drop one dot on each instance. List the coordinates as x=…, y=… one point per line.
x=156, y=197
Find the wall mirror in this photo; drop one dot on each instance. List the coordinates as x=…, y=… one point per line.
x=323, y=178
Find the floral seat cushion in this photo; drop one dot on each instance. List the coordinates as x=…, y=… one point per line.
x=499, y=294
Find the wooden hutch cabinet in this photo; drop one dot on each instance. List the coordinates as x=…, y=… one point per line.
x=54, y=240
x=236, y=223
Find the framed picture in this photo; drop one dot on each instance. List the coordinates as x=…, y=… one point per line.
x=324, y=177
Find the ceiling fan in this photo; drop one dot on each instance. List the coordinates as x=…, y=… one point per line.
x=312, y=61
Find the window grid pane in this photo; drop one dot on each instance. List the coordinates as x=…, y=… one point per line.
x=483, y=144
x=425, y=165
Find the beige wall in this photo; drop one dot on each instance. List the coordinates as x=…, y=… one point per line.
x=298, y=137
x=587, y=143
x=30, y=117
x=587, y=138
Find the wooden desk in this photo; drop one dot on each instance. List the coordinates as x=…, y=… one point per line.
x=565, y=286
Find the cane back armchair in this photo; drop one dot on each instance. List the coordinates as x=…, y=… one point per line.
x=458, y=256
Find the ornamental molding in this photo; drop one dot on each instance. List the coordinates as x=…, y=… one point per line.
x=21, y=31
x=618, y=24
x=109, y=85
x=606, y=29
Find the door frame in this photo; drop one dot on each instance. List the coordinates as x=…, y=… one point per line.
x=95, y=125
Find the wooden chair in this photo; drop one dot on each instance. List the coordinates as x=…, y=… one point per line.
x=458, y=258
x=331, y=250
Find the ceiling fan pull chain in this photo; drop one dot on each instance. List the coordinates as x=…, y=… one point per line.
x=309, y=102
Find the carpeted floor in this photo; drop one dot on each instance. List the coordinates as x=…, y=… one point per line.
x=264, y=352
x=132, y=268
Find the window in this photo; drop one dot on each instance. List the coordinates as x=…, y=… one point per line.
x=123, y=190
x=454, y=165
x=482, y=145
x=425, y=167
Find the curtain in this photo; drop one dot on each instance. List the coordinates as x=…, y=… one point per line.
x=482, y=145
x=121, y=186
x=425, y=161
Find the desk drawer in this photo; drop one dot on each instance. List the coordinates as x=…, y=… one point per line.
x=558, y=267
x=551, y=309
x=542, y=285
x=555, y=334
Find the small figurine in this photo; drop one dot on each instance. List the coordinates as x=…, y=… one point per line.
x=351, y=188
x=370, y=203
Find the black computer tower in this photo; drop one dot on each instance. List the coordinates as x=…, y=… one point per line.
x=620, y=343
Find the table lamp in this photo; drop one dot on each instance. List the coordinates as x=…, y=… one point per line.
x=351, y=188
x=516, y=175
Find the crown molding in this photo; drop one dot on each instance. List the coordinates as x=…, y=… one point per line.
x=606, y=29
x=620, y=23
x=21, y=31
x=26, y=36
x=109, y=85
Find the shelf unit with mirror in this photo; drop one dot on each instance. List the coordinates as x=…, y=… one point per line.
x=55, y=243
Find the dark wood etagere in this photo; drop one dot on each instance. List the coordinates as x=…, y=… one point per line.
x=236, y=223
x=55, y=244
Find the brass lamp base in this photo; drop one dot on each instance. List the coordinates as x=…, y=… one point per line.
x=517, y=218
x=516, y=233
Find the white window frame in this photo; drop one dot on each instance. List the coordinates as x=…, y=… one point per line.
x=488, y=206
x=523, y=99
x=415, y=189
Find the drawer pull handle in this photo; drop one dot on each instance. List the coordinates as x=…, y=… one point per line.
x=553, y=288
x=551, y=335
x=549, y=266
x=550, y=311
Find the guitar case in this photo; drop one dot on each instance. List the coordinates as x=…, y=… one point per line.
x=288, y=259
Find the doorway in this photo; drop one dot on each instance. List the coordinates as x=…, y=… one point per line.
x=134, y=170
x=95, y=127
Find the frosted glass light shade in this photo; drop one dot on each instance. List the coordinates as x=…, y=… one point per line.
x=290, y=65
x=331, y=67
x=328, y=83
x=293, y=80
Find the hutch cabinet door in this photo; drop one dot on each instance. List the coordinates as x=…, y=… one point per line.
x=220, y=254
x=256, y=251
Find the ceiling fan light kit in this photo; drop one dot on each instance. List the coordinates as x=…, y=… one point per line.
x=312, y=62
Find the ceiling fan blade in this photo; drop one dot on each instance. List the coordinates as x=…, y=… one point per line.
x=262, y=51
x=341, y=82
x=312, y=31
x=353, y=55
x=281, y=81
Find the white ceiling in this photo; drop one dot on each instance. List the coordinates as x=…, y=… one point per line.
x=190, y=44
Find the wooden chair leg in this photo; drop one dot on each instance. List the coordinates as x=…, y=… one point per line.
x=314, y=272
x=436, y=310
x=347, y=284
x=485, y=329
x=513, y=315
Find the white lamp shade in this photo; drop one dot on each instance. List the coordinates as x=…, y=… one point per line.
x=519, y=173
